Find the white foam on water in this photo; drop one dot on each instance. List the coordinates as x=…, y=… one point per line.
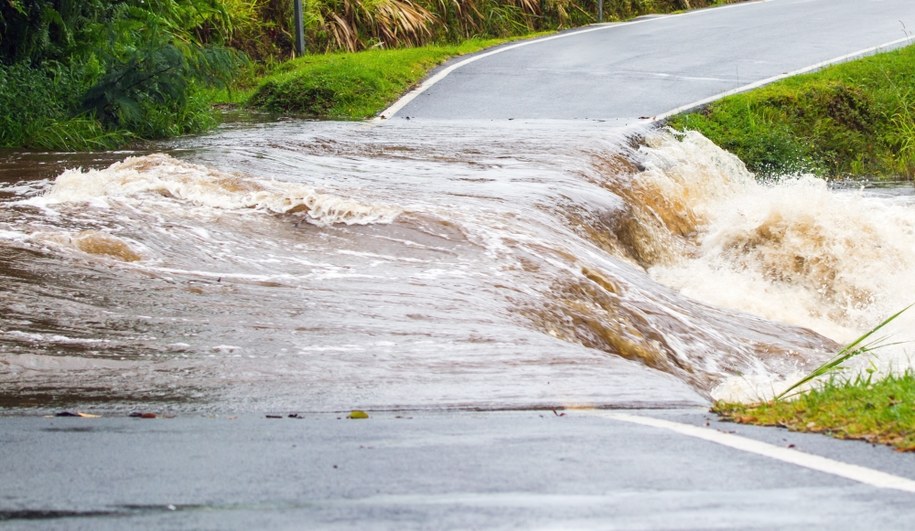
x=794, y=251
x=54, y=338
x=25, y=188
x=161, y=175
x=504, y=285
x=13, y=235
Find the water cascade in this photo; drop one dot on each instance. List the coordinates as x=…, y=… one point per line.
x=325, y=266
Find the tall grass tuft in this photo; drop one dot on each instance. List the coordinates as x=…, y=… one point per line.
x=352, y=25
x=853, y=349
x=81, y=133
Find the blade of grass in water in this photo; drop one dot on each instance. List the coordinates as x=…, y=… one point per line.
x=851, y=350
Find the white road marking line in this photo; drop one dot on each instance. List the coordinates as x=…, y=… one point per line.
x=429, y=82
x=848, y=57
x=445, y=72
x=861, y=474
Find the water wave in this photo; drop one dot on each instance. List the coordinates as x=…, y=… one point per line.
x=452, y=267
x=794, y=250
x=162, y=175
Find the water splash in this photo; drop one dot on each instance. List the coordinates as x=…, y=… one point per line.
x=795, y=251
x=160, y=174
x=92, y=242
x=456, y=266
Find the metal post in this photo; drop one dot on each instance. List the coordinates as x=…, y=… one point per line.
x=300, y=29
x=600, y=10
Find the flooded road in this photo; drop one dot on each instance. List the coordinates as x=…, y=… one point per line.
x=316, y=266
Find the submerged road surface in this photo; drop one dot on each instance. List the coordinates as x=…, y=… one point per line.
x=649, y=67
x=673, y=469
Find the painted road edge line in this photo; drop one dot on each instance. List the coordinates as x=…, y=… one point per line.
x=861, y=474
x=445, y=72
x=807, y=69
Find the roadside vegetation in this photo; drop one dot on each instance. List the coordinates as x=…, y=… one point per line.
x=96, y=74
x=878, y=410
x=855, y=119
x=350, y=86
x=93, y=74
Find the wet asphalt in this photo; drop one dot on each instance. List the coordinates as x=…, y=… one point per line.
x=490, y=470
x=621, y=73
x=428, y=470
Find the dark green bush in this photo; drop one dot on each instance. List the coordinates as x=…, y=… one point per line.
x=90, y=74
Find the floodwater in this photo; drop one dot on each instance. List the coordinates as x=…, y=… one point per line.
x=320, y=266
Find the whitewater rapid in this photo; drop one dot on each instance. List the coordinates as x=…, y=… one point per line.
x=323, y=266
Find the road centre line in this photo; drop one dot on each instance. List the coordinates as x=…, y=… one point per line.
x=445, y=72
x=868, y=476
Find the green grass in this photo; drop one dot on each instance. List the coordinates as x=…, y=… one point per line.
x=854, y=119
x=349, y=86
x=848, y=408
x=43, y=110
x=82, y=133
x=878, y=412
x=862, y=345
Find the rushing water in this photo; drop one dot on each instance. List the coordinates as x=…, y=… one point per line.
x=326, y=266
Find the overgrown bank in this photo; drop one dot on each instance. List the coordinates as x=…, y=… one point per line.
x=94, y=74
x=858, y=407
x=880, y=411
x=351, y=86
x=855, y=119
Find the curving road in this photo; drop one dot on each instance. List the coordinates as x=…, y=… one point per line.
x=674, y=469
x=653, y=66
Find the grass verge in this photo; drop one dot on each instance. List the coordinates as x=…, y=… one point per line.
x=856, y=119
x=350, y=86
x=881, y=412
x=848, y=408
x=94, y=77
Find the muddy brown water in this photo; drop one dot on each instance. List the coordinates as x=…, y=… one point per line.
x=311, y=266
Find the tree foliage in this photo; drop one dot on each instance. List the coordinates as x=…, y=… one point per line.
x=118, y=68
x=131, y=65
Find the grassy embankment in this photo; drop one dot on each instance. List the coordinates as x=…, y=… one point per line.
x=99, y=74
x=354, y=86
x=881, y=411
x=855, y=119
x=343, y=85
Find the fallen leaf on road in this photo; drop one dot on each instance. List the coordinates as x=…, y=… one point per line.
x=76, y=414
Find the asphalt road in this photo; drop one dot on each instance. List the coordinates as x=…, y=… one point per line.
x=496, y=470
x=523, y=469
x=624, y=72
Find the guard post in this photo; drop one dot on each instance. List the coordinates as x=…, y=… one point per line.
x=300, y=29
